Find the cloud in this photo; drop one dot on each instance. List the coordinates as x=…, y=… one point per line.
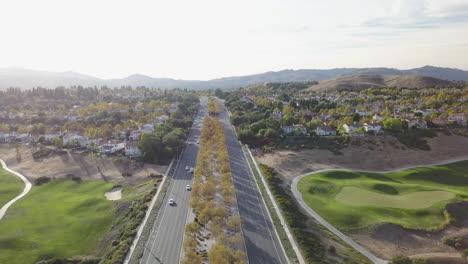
x=422, y=14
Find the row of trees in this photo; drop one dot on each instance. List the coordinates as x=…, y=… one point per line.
x=212, y=196
x=213, y=107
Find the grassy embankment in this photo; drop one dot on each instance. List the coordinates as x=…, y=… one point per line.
x=10, y=186
x=316, y=242
x=63, y=219
x=413, y=198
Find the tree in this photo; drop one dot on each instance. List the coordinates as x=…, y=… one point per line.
x=356, y=117
x=394, y=124
x=464, y=254
x=58, y=143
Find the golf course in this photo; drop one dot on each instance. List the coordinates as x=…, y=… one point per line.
x=62, y=218
x=413, y=198
x=10, y=186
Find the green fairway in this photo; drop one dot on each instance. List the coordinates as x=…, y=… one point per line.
x=10, y=186
x=60, y=219
x=413, y=198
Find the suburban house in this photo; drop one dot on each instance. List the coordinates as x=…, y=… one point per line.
x=325, y=131
x=377, y=117
x=2, y=137
x=349, y=128
x=276, y=115
x=425, y=112
x=49, y=137
x=74, y=136
x=111, y=147
x=364, y=113
x=295, y=128
x=148, y=128
x=416, y=123
x=460, y=119
x=161, y=119
x=373, y=127
x=440, y=122
x=131, y=149
x=93, y=143
x=135, y=135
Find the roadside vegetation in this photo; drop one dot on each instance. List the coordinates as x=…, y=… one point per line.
x=214, y=235
x=212, y=107
x=10, y=186
x=414, y=198
x=309, y=235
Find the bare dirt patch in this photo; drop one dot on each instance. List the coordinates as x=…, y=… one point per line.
x=65, y=164
x=366, y=153
x=377, y=154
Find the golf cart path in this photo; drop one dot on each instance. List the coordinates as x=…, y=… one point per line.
x=27, y=188
x=348, y=240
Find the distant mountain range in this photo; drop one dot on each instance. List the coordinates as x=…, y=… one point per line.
x=364, y=81
x=25, y=79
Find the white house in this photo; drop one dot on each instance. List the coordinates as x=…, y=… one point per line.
x=416, y=123
x=161, y=119
x=111, y=146
x=374, y=127
x=148, y=128
x=364, y=112
x=74, y=136
x=459, y=118
x=325, y=131
x=131, y=149
x=2, y=137
x=348, y=128
x=425, y=112
x=135, y=135
x=49, y=137
x=295, y=128
x=23, y=138
x=377, y=117
x=276, y=115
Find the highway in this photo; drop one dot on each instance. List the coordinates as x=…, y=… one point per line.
x=165, y=242
x=261, y=241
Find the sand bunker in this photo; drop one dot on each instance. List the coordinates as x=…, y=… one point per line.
x=114, y=194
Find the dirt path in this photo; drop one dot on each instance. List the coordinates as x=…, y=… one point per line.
x=27, y=188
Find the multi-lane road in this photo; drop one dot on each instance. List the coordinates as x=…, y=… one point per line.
x=262, y=243
x=165, y=242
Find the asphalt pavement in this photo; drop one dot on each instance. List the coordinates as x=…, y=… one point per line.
x=165, y=242
x=262, y=243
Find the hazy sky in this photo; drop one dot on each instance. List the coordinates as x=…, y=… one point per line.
x=204, y=39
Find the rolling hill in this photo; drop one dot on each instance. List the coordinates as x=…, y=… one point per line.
x=364, y=81
x=25, y=79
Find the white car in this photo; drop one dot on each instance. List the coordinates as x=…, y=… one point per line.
x=187, y=168
x=171, y=202
x=191, y=170
x=188, y=187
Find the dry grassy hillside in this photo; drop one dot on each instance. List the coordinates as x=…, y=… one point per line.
x=360, y=82
x=65, y=164
x=374, y=153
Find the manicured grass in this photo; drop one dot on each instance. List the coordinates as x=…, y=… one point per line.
x=413, y=198
x=62, y=218
x=10, y=186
